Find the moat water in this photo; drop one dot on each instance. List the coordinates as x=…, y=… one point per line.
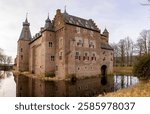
x=11, y=86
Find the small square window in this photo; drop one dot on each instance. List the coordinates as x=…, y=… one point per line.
x=21, y=57
x=52, y=58
x=21, y=49
x=78, y=68
x=50, y=44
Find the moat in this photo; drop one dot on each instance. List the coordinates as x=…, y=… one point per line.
x=11, y=86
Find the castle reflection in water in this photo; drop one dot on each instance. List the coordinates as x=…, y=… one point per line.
x=30, y=87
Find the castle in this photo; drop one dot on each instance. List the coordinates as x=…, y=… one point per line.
x=64, y=46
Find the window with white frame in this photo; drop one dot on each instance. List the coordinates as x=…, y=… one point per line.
x=79, y=43
x=91, y=44
x=50, y=44
x=52, y=58
x=86, y=56
x=77, y=55
x=93, y=58
x=60, y=55
x=78, y=30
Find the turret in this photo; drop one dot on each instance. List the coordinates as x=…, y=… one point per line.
x=106, y=33
x=23, y=47
x=48, y=24
x=48, y=41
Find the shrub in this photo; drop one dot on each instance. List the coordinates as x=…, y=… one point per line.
x=142, y=67
x=50, y=74
x=72, y=77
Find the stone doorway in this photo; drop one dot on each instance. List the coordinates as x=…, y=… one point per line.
x=104, y=70
x=104, y=75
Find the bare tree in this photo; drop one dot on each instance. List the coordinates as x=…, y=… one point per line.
x=122, y=51
x=132, y=52
x=9, y=60
x=116, y=53
x=1, y=55
x=128, y=50
x=139, y=47
x=4, y=59
x=143, y=43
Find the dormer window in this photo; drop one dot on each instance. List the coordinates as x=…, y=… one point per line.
x=79, y=20
x=86, y=23
x=77, y=23
x=71, y=18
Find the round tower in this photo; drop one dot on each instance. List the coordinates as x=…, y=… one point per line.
x=23, y=47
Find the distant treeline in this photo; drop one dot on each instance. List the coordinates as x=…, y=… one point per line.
x=126, y=50
x=6, y=67
x=5, y=61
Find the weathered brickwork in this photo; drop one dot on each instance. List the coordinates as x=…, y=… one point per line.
x=66, y=45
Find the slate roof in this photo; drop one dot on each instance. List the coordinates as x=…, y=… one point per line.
x=48, y=24
x=69, y=19
x=77, y=21
x=25, y=33
x=105, y=31
x=106, y=46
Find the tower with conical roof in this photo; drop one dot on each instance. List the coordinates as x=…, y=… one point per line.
x=23, y=47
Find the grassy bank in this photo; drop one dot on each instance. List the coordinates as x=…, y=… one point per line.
x=123, y=70
x=142, y=89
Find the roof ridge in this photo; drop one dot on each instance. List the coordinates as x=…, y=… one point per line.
x=78, y=21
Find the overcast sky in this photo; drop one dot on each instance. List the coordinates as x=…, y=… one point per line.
x=121, y=17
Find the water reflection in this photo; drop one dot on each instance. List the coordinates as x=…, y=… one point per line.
x=124, y=81
x=25, y=86
x=7, y=84
x=88, y=87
